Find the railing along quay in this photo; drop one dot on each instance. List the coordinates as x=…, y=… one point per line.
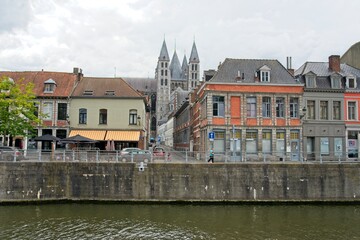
x=172, y=156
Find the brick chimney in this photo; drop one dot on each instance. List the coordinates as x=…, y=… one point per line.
x=334, y=63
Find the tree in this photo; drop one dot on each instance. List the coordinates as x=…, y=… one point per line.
x=17, y=109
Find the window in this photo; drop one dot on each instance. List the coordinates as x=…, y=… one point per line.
x=350, y=82
x=36, y=109
x=153, y=124
x=280, y=107
x=103, y=116
x=324, y=146
x=294, y=107
x=219, y=141
x=352, y=144
x=49, y=88
x=195, y=75
x=265, y=76
x=266, y=141
x=336, y=110
x=166, y=64
x=166, y=82
x=82, y=116
x=165, y=72
x=280, y=143
x=323, y=110
x=48, y=110
x=266, y=107
x=351, y=110
x=310, y=81
x=219, y=106
x=162, y=72
x=310, y=111
x=162, y=82
x=251, y=106
x=162, y=64
x=251, y=142
x=335, y=82
x=62, y=107
x=133, y=117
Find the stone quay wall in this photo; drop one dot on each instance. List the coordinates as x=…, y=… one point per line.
x=167, y=182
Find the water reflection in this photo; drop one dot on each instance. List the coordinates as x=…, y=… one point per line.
x=138, y=221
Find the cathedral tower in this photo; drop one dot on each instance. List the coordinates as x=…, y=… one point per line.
x=163, y=80
x=194, y=69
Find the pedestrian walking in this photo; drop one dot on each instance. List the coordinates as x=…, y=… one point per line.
x=169, y=157
x=211, y=156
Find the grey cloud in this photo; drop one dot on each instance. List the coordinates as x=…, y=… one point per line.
x=14, y=14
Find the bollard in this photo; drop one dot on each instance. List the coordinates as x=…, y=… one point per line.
x=186, y=156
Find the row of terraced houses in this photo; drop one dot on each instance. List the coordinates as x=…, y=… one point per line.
x=246, y=108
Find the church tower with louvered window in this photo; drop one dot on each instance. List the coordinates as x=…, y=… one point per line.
x=171, y=75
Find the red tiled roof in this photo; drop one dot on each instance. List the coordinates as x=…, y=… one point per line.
x=65, y=82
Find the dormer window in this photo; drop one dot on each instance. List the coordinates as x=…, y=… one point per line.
x=335, y=81
x=49, y=86
x=351, y=82
x=88, y=93
x=310, y=79
x=264, y=74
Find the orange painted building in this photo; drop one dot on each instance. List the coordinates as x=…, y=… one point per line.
x=253, y=108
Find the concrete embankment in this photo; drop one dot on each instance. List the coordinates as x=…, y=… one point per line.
x=248, y=182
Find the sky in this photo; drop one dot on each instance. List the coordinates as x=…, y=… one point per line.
x=123, y=38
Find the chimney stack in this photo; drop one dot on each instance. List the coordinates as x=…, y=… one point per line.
x=334, y=63
x=289, y=66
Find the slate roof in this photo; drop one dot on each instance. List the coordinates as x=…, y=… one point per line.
x=99, y=87
x=194, y=56
x=322, y=69
x=65, y=82
x=175, y=67
x=323, y=73
x=184, y=68
x=181, y=96
x=164, y=55
x=231, y=69
x=144, y=85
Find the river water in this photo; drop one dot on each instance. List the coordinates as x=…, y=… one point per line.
x=176, y=221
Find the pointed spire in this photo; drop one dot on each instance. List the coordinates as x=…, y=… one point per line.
x=184, y=68
x=164, y=55
x=194, y=57
x=175, y=67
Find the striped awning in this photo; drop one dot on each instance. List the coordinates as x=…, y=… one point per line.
x=92, y=134
x=130, y=136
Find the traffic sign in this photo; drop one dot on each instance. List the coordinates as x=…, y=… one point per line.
x=211, y=136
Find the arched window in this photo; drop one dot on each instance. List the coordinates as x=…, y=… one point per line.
x=153, y=124
x=103, y=116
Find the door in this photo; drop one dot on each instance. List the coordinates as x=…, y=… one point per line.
x=295, y=150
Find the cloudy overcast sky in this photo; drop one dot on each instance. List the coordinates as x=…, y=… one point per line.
x=125, y=36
